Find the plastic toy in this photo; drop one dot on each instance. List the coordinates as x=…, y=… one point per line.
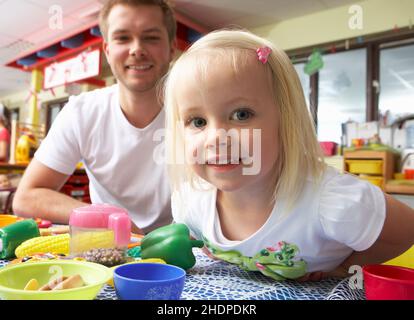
x=58, y=244
x=149, y=281
x=62, y=283
x=6, y=219
x=15, y=234
x=41, y=257
x=278, y=262
x=155, y=260
x=13, y=280
x=98, y=226
x=25, y=148
x=171, y=243
x=44, y=223
x=109, y=257
x=134, y=252
x=383, y=282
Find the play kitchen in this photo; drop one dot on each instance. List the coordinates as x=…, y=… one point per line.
x=76, y=261
x=382, y=155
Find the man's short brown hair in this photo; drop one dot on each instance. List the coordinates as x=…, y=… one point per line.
x=169, y=19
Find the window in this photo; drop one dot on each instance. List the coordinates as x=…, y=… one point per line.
x=342, y=92
x=52, y=111
x=361, y=83
x=14, y=114
x=304, y=80
x=397, y=81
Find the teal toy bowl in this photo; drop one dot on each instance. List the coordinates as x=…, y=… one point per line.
x=149, y=281
x=14, y=278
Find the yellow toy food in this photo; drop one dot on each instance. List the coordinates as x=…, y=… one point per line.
x=33, y=284
x=86, y=240
x=56, y=244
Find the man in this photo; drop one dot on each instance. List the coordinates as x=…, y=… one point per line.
x=111, y=129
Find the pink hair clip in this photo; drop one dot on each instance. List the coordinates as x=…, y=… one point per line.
x=263, y=54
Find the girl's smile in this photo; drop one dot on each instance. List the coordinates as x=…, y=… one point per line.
x=224, y=167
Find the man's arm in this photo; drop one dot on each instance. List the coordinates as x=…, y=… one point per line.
x=37, y=195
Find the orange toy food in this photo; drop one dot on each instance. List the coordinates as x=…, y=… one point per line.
x=6, y=219
x=62, y=283
x=74, y=281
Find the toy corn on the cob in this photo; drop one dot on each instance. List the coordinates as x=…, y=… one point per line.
x=53, y=244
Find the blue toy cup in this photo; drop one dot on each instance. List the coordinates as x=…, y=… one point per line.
x=149, y=281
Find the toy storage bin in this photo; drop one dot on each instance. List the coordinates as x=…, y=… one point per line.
x=365, y=166
x=377, y=181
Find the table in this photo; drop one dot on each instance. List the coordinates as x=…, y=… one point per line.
x=218, y=280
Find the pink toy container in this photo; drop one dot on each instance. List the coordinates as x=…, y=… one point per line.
x=98, y=226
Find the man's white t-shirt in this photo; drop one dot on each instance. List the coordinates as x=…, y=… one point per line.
x=328, y=222
x=118, y=157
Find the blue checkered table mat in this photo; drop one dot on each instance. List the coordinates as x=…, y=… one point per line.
x=219, y=280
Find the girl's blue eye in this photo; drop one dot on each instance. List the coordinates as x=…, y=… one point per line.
x=198, y=122
x=241, y=115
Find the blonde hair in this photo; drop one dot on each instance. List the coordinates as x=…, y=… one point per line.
x=299, y=151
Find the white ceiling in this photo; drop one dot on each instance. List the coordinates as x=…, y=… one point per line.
x=24, y=24
x=252, y=13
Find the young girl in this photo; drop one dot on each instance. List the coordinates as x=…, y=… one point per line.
x=248, y=176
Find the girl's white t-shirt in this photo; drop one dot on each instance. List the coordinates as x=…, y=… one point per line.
x=328, y=222
x=120, y=159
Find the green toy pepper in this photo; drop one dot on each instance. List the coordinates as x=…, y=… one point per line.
x=171, y=243
x=12, y=235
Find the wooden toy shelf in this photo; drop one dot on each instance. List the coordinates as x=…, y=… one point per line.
x=376, y=167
